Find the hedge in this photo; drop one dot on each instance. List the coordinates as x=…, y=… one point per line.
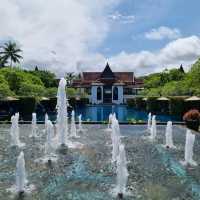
x=27, y=105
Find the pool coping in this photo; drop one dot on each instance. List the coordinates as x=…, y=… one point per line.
x=98, y=122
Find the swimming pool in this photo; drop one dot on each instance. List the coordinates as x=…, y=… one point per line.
x=124, y=113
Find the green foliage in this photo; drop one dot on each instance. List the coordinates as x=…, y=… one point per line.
x=4, y=88
x=177, y=106
x=27, y=105
x=47, y=78
x=152, y=104
x=50, y=92
x=16, y=78
x=172, y=82
x=175, y=88
x=29, y=89
x=71, y=92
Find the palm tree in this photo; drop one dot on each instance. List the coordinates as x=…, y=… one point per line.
x=70, y=76
x=3, y=62
x=11, y=52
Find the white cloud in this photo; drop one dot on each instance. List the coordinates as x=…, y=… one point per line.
x=124, y=19
x=181, y=51
x=163, y=32
x=68, y=28
x=61, y=36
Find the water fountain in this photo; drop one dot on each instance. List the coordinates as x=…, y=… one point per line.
x=110, y=120
x=46, y=118
x=80, y=128
x=62, y=123
x=115, y=136
x=153, y=129
x=14, y=131
x=168, y=136
x=149, y=122
x=73, y=125
x=34, y=125
x=189, y=144
x=21, y=180
x=49, y=145
x=122, y=172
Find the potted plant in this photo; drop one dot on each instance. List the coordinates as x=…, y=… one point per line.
x=192, y=119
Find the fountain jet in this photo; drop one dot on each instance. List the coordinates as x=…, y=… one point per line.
x=110, y=120
x=34, y=125
x=62, y=123
x=20, y=174
x=168, y=136
x=153, y=128
x=46, y=118
x=73, y=125
x=80, y=128
x=149, y=122
x=122, y=172
x=189, y=144
x=115, y=136
x=14, y=131
x=49, y=150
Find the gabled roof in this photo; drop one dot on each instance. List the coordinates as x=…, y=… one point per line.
x=107, y=73
x=108, y=76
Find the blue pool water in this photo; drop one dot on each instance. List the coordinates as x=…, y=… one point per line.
x=124, y=113
x=99, y=113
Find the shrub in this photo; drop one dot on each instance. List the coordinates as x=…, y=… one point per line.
x=131, y=102
x=177, y=106
x=28, y=89
x=4, y=88
x=152, y=104
x=192, y=115
x=16, y=77
x=50, y=92
x=27, y=105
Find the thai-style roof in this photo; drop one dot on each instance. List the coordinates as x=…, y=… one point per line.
x=193, y=98
x=107, y=76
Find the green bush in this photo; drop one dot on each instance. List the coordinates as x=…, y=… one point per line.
x=28, y=89
x=131, y=102
x=50, y=92
x=47, y=78
x=17, y=78
x=27, y=105
x=71, y=92
x=5, y=91
x=177, y=106
x=139, y=103
x=152, y=104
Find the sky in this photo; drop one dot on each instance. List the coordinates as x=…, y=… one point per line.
x=141, y=36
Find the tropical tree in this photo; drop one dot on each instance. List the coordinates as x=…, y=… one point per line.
x=3, y=62
x=11, y=52
x=70, y=76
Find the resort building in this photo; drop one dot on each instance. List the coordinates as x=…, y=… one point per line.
x=108, y=86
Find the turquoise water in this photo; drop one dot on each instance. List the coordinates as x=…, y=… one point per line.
x=123, y=113
x=99, y=113
x=155, y=173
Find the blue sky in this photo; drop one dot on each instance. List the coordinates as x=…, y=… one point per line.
x=150, y=14
x=141, y=36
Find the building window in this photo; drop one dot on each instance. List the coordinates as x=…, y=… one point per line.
x=99, y=94
x=129, y=91
x=115, y=93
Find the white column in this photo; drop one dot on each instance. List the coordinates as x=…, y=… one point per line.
x=120, y=94
x=94, y=94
